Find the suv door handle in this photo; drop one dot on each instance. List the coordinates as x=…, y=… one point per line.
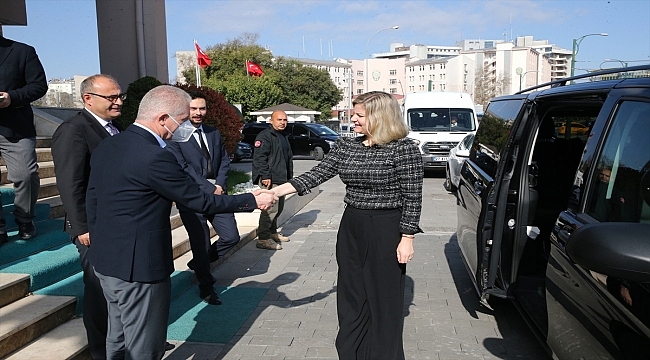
x=478, y=187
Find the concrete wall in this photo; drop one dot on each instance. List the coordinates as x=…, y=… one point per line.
x=132, y=39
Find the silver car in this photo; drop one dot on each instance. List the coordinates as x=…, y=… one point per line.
x=457, y=157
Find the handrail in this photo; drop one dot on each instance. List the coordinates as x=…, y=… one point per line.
x=564, y=81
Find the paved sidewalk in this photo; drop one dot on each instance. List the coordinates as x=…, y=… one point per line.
x=297, y=317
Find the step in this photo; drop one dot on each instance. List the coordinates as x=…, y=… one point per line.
x=48, y=189
x=42, y=154
x=30, y=317
x=13, y=287
x=45, y=170
x=67, y=341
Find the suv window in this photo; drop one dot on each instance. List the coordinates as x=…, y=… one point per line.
x=493, y=133
x=616, y=191
x=300, y=130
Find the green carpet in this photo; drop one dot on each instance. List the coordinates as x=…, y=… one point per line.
x=49, y=234
x=191, y=319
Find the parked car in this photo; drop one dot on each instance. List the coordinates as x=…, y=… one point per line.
x=243, y=151
x=305, y=138
x=457, y=157
x=561, y=224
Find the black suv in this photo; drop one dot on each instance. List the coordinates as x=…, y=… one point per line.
x=557, y=218
x=305, y=138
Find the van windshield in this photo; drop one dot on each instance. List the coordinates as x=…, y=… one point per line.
x=444, y=119
x=320, y=129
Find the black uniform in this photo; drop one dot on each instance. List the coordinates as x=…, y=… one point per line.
x=272, y=157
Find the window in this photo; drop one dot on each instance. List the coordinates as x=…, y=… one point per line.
x=393, y=90
x=359, y=72
x=359, y=91
x=300, y=130
x=392, y=72
x=359, y=82
x=392, y=81
x=491, y=136
x=614, y=192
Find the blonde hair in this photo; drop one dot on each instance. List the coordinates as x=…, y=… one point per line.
x=383, y=117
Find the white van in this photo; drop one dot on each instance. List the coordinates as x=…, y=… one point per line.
x=438, y=121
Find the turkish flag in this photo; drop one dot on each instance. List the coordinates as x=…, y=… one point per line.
x=201, y=57
x=253, y=69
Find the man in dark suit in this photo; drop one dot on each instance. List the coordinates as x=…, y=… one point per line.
x=22, y=80
x=72, y=144
x=133, y=183
x=208, y=164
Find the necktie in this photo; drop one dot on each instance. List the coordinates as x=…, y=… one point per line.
x=111, y=128
x=206, y=155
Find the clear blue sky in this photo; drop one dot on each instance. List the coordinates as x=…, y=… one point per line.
x=64, y=31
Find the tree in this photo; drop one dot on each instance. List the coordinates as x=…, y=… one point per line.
x=253, y=93
x=134, y=94
x=487, y=85
x=307, y=86
x=229, y=59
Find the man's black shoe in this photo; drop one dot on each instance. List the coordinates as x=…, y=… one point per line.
x=190, y=265
x=26, y=230
x=3, y=237
x=211, y=297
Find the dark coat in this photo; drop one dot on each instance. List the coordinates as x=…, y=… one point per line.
x=72, y=144
x=133, y=183
x=190, y=155
x=268, y=158
x=23, y=77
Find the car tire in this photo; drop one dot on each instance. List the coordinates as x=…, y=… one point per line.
x=318, y=153
x=233, y=158
x=448, y=185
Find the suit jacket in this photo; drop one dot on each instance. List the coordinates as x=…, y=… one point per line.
x=23, y=77
x=190, y=156
x=133, y=182
x=72, y=144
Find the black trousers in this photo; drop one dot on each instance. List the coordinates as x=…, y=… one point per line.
x=370, y=288
x=198, y=231
x=95, y=311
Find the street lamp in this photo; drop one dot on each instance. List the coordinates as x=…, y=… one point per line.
x=366, y=53
x=613, y=60
x=576, y=48
x=522, y=74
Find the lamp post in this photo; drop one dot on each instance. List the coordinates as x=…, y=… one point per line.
x=366, y=53
x=400, y=85
x=576, y=48
x=521, y=76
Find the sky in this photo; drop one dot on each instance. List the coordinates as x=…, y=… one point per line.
x=64, y=32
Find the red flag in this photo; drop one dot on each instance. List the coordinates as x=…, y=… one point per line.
x=201, y=57
x=253, y=69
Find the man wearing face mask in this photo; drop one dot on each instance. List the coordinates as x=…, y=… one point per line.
x=133, y=183
x=205, y=159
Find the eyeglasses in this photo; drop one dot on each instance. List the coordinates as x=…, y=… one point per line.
x=111, y=98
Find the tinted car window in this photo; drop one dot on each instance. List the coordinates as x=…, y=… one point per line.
x=616, y=191
x=299, y=130
x=493, y=133
x=320, y=129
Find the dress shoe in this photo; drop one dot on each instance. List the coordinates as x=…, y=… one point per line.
x=169, y=346
x=279, y=237
x=3, y=237
x=26, y=230
x=190, y=265
x=211, y=297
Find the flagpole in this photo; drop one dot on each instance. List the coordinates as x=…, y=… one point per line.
x=248, y=75
x=196, y=65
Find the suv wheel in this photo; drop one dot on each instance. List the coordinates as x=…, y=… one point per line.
x=318, y=153
x=448, y=185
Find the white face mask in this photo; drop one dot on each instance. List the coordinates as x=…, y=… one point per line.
x=183, y=132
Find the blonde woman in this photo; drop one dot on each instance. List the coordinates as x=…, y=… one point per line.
x=382, y=171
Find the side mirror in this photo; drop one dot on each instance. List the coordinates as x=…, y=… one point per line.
x=463, y=153
x=621, y=250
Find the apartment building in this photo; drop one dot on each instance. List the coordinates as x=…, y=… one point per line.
x=559, y=58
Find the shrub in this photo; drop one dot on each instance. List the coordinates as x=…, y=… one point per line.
x=134, y=94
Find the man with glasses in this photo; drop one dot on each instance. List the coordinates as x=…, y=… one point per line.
x=72, y=144
x=22, y=81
